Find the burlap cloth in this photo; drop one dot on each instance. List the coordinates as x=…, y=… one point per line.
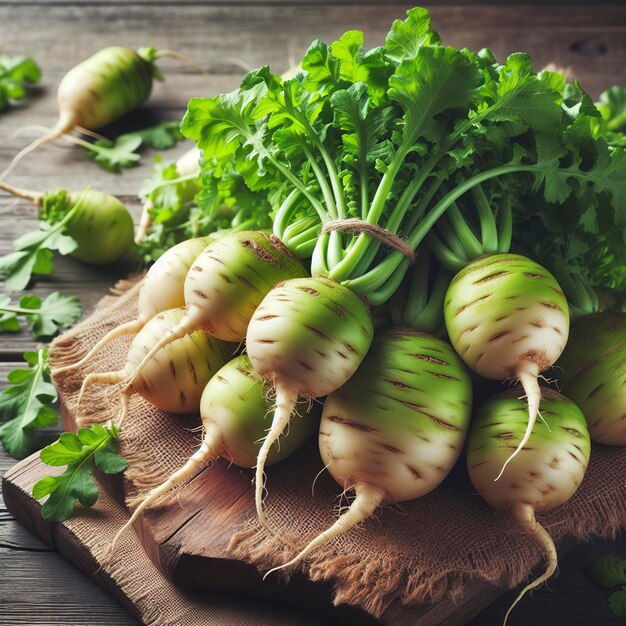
x=414, y=552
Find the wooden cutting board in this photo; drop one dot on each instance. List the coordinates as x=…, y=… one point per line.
x=188, y=537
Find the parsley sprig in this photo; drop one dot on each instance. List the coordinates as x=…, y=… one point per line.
x=83, y=452
x=45, y=318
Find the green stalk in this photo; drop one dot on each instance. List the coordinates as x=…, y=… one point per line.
x=323, y=183
x=505, y=226
x=451, y=260
x=471, y=246
x=488, y=227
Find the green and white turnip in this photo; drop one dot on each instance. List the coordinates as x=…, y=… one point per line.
x=306, y=338
x=226, y=283
x=394, y=431
x=593, y=372
x=100, y=90
x=235, y=413
x=102, y=227
x=545, y=474
x=162, y=289
x=508, y=318
x=175, y=376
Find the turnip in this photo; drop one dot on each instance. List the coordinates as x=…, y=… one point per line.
x=395, y=430
x=162, y=289
x=547, y=472
x=507, y=317
x=225, y=284
x=102, y=227
x=593, y=372
x=188, y=165
x=235, y=414
x=306, y=338
x=175, y=376
x=100, y=90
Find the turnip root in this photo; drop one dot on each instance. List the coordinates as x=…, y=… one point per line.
x=187, y=165
x=162, y=289
x=546, y=473
x=394, y=431
x=100, y=90
x=593, y=372
x=102, y=227
x=507, y=317
x=235, y=415
x=306, y=338
x=175, y=376
x=226, y=283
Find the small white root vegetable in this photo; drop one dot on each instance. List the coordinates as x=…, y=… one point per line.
x=162, y=290
x=225, y=285
x=394, y=431
x=507, y=317
x=306, y=339
x=545, y=474
x=235, y=414
x=175, y=377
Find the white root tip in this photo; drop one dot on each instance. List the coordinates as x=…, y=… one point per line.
x=524, y=514
x=527, y=373
x=179, y=56
x=211, y=447
x=368, y=499
x=124, y=401
x=102, y=378
x=128, y=328
x=285, y=403
x=57, y=131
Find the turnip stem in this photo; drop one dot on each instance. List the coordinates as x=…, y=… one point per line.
x=210, y=448
x=367, y=500
x=286, y=399
x=133, y=326
x=524, y=514
x=527, y=372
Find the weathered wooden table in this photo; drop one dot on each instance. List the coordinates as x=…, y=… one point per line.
x=36, y=585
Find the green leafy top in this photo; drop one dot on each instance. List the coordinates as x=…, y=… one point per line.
x=45, y=319
x=612, y=107
x=28, y=403
x=89, y=448
x=190, y=206
x=395, y=136
x=15, y=73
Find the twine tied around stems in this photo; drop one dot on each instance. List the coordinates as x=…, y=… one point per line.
x=355, y=225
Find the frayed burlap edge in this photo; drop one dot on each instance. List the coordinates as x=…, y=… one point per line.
x=372, y=582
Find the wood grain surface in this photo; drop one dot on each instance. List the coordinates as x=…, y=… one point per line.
x=36, y=585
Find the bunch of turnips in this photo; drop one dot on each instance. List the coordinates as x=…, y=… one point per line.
x=423, y=216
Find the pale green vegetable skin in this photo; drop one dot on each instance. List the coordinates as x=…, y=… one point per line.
x=235, y=413
x=121, y=80
x=593, y=372
x=226, y=283
x=162, y=289
x=394, y=431
x=174, y=378
x=545, y=474
x=507, y=317
x=306, y=338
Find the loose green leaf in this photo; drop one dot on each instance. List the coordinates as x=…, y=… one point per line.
x=160, y=137
x=608, y=571
x=45, y=319
x=27, y=404
x=617, y=602
x=15, y=74
x=83, y=452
